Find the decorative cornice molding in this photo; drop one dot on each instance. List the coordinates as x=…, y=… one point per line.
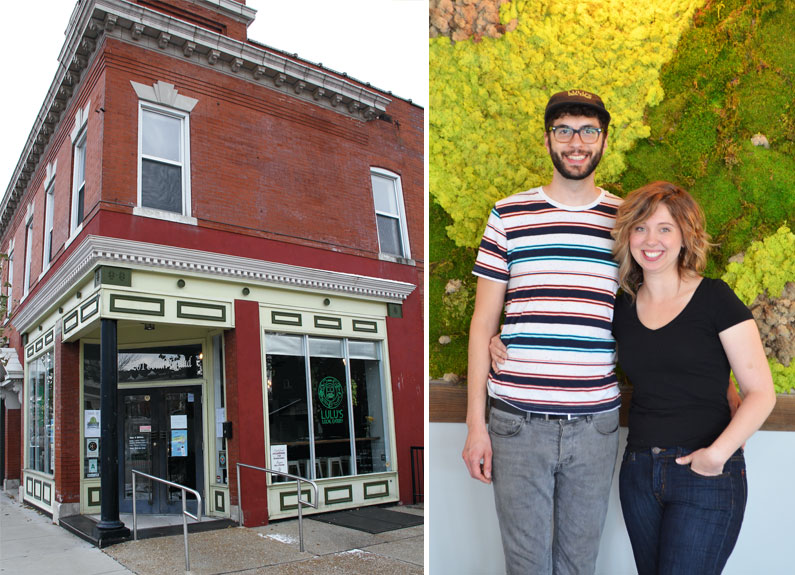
x=99, y=250
x=135, y=23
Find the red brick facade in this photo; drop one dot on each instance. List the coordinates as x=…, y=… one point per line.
x=274, y=178
x=66, y=388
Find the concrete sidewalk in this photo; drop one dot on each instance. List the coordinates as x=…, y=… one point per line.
x=31, y=544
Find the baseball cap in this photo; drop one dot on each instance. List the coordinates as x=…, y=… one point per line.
x=578, y=98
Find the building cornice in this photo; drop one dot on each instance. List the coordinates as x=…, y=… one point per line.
x=100, y=250
x=133, y=23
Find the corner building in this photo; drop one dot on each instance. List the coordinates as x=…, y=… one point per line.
x=242, y=231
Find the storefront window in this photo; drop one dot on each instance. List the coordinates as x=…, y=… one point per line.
x=91, y=415
x=346, y=433
x=41, y=454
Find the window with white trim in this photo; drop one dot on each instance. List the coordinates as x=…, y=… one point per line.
x=79, y=142
x=49, y=203
x=28, y=250
x=393, y=237
x=10, y=282
x=40, y=421
x=163, y=159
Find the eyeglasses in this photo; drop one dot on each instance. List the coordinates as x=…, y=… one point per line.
x=564, y=134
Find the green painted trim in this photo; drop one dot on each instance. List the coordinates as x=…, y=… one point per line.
x=91, y=491
x=385, y=483
x=39, y=345
x=29, y=486
x=37, y=488
x=394, y=310
x=284, y=318
x=109, y=275
x=181, y=304
x=46, y=493
x=220, y=501
x=93, y=301
x=116, y=308
x=72, y=316
x=48, y=337
x=336, y=322
x=365, y=326
x=285, y=494
x=29, y=351
x=327, y=490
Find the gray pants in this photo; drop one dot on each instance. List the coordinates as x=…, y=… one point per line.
x=551, y=486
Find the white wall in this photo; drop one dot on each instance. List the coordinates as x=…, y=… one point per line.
x=464, y=536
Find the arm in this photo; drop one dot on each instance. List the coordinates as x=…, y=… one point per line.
x=489, y=302
x=743, y=347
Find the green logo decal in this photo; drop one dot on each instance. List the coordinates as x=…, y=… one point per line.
x=329, y=392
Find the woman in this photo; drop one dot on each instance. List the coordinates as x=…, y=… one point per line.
x=682, y=482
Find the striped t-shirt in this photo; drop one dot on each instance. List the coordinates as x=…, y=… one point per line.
x=562, y=284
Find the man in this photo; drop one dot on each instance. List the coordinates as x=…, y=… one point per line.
x=552, y=436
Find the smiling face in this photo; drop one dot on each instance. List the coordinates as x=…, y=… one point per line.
x=655, y=243
x=575, y=160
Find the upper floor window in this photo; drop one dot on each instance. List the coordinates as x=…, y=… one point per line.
x=49, y=203
x=28, y=249
x=393, y=237
x=164, y=152
x=79, y=140
x=163, y=168
x=10, y=292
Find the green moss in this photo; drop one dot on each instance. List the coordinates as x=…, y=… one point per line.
x=448, y=314
x=732, y=76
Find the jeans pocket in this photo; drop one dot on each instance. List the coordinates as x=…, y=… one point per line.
x=503, y=424
x=702, y=491
x=606, y=423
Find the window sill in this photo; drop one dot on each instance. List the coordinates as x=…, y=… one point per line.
x=164, y=215
x=73, y=236
x=396, y=259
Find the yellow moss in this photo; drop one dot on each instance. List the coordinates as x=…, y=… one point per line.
x=487, y=98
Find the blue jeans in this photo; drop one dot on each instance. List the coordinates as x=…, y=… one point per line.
x=551, y=486
x=680, y=522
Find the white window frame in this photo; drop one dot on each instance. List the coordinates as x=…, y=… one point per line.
x=10, y=281
x=401, y=215
x=28, y=250
x=164, y=98
x=183, y=163
x=49, y=211
x=79, y=144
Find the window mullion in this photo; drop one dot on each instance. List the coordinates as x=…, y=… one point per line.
x=351, y=429
x=309, y=406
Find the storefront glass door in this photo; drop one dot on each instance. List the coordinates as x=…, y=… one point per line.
x=161, y=432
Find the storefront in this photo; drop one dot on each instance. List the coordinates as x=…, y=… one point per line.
x=324, y=380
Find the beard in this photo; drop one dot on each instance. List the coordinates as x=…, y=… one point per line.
x=584, y=171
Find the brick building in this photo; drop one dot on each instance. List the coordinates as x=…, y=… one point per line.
x=229, y=241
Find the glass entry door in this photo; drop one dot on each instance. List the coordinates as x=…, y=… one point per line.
x=161, y=433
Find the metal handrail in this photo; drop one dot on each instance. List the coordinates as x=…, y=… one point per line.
x=301, y=502
x=185, y=512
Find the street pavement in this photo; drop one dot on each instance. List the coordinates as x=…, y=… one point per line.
x=31, y=544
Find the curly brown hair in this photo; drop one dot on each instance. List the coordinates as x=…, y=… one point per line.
x=638, y=206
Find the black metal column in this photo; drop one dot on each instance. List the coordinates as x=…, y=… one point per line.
x=110, y=528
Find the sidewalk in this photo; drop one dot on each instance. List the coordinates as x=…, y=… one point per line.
x=30, y=544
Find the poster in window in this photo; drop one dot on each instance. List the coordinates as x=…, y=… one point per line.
x=92, y=422
x=279, y=458
x=92, y=447
x=93, y=468
x=179, y=422
x=179, y=443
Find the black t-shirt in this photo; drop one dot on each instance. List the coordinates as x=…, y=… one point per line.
x=679, y=372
